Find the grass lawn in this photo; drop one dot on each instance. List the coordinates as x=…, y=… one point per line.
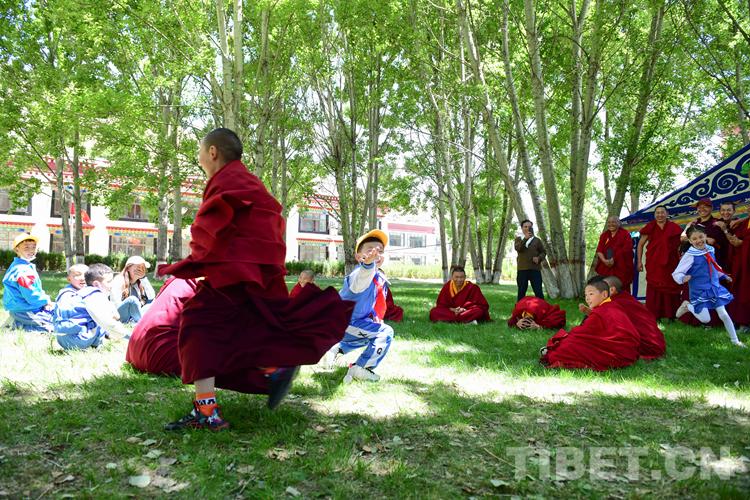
x=461, y=411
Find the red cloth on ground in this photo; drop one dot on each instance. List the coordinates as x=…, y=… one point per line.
x=739, y=259
x=153, y=344
x=241, y=316
x=607, y=339
x=470, y=298
x=652, y=339
x=662, y=257
x=620, y=246
x=543, y=313
x=393, y=312
x=298, y=288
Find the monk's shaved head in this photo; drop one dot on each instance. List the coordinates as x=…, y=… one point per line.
x=614, y=282
x=226, y=142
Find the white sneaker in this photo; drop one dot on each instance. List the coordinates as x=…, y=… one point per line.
x=473, y=322
x=739, y=344
x=330, y=358
x=356, y=372
x=682, y=309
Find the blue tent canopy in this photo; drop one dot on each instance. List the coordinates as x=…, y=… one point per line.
x=723, y=182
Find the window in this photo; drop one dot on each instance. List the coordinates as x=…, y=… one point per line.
x=55, y=208
x=313, y=222
x=396, y=239
x=6, y=238
x=135, y=213
x=416, y=241
x=313, y=252
x=6, y=205
x=132, y=245
x=417, y=260
x=340, y=253
x=57, y=244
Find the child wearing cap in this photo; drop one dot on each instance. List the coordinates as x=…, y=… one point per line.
x=132, y=293
x=90, y=317
x=25, y=300
x=367, y=287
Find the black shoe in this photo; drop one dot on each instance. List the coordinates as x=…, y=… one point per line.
x=279, y=384
x=196, y=420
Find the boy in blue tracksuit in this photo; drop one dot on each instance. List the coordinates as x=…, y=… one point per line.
x=367, y=287
x=87, y=316
x=25, y=300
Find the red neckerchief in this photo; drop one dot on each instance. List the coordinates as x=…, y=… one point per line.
x=380, y=306
x=712, y=264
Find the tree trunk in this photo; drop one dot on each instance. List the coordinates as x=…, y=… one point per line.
x=226, y=97
x=79, y=247
x=64, y=210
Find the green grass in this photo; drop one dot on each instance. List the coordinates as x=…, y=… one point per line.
x=454, y=403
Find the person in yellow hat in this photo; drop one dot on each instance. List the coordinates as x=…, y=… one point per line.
x=24, y=298
x=367, y=287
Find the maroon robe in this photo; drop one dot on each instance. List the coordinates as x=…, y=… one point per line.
x=298, y=288
x=607, y=339
x=543, y=313
x=652, y=344
x=153, y=345
x=470, y=298
x=392, y=312
x=241, y=316
x=619, y=247
x=662, y=257
x=739, y=260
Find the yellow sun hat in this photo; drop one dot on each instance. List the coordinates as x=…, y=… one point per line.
x=375, y=233
x=24, y=237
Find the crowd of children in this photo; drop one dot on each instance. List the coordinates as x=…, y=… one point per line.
x=225, y=319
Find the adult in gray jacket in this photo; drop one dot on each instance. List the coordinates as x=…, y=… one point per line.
x=531, y=254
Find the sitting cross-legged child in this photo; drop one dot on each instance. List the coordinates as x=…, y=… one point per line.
x=306, y=277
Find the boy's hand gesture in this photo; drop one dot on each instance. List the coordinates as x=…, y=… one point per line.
x=686, y=278
x=371, y=256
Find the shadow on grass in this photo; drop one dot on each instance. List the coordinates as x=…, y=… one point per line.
x=458, y=446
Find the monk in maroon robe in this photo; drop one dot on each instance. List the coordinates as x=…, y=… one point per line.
x=460, y=301
x=241, y=328
x=392, y=311
x=662, y=256
x=652, y=344
x=306, y=277
x=533, y=312
x=614, y=253
x=153, y=345
x=607, y=339
x=739, y=257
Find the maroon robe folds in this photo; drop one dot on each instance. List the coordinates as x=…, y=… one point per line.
x=662, y=257
x=392, y=312
x=241, y=316
x=739, y=260
x=607, y=339
x=470, y=297
x=543, y=313
x=652, y=344
x=620, y=248
x=153, y=344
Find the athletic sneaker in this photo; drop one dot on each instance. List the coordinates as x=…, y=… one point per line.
x=739, y=344
x=279, y=384
x=356, y=372
x=475, y=322
x=332, y=357
x=196, y=420
x=682, y=309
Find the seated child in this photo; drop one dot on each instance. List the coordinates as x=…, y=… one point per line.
x=698, y=268
x=24, y=299
x=533, y=312
x=132, y=292
x=153, y=344
x=68, y=299
x=460, y=301
x=306, y=277
x=606, y=340
x=367, y=287
x=652, y=339
x=94, y=317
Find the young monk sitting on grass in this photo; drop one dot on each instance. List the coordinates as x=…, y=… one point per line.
x=607, y=339
x=533, y=313
x=460, y=301
x=306, y=277
x=652, y=339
